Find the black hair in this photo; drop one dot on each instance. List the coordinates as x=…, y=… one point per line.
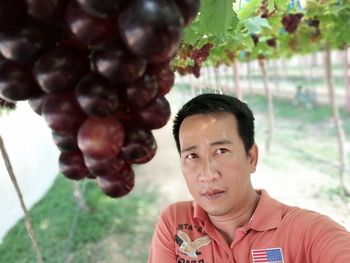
x=216, y=103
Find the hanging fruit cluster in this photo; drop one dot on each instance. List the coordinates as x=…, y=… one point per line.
x=97, y=71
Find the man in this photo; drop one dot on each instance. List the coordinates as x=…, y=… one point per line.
x=229, y=221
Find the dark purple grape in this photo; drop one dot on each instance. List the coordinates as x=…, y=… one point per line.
x=71, y=165
x=96, y=96
x=101, y=138
x=47, y=11
x=139, y=147
x=17, y=82
x=60, y=69
x=313, y=22
x=102, y=8
x=117, y=64
x=108, y=167
x=62, y=112
x=271, y=42
x=37, y=102
x=155, y=115
x=291, y=22
x=28, y=43
x=165, y=77
x=123, y=113
x=12, y=13
x=142, y=92
x=117, y=185
x=255, y=38
x=86, y=28
x=189, y=9
x=151, y=28
x=65, y=141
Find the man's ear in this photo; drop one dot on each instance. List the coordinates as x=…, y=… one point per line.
x=253, y=157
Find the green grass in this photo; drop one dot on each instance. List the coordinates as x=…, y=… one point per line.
x=119, y=220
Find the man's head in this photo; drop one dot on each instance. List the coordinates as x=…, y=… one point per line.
x=215, y=103
x=215, y=138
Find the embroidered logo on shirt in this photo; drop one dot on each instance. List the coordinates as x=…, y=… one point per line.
x=189, y=247
x=267, y=255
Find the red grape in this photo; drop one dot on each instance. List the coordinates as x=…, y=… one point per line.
x=165, y=77
x=140, y=146
x=101, y=8
x=153, y=33
x=156, y=114
x=86, y=28
x=101, y=138
x=108, y=167
x=291, y=22
x=16, y=81
x=60, y=69
x=271, y=42
x=142, y=92
x=119, y=184
x=62, y=112
x=71, y=165
x=37, y=102
x=26, y=44
x=96, y=96
x=188, y=9
x=65, y=141
x=114, y=62
x=47, y=11
x=12, y=12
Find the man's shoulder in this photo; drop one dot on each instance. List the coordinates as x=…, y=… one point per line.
x=307, y=219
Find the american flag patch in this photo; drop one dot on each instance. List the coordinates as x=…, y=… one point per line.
x=267, y=255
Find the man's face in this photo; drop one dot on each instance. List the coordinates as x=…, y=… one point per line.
x=215, y=164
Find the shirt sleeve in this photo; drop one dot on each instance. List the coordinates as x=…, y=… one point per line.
x=163, y=242
x=329, y=242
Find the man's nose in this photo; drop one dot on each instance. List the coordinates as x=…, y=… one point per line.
x=208, y=171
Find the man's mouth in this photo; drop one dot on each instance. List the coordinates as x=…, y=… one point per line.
x=213, y=193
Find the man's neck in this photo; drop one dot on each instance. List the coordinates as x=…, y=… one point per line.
x=228, y=223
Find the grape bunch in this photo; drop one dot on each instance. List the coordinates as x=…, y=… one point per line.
x=291, y=22
x=196, y=56
x=97, y=72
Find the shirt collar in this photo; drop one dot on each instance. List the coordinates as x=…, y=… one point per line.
x=199, y=213
x=267, y=215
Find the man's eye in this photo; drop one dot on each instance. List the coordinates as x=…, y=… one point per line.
x=191, y=156
x=221, y=151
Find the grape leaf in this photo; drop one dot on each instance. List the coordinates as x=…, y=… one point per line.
x=216, y=16
x=255, y=24
x=249, y=9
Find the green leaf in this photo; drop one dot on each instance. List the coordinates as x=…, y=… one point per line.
x=270, y=5
x=248, y=42
x=249, y=9
x=216, y=16
x=255, y=24
x=190, y=35
x=282, y=4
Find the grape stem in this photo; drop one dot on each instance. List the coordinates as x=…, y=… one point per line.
x=27, y=220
